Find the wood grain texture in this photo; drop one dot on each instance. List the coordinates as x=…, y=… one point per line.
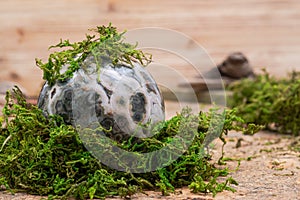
x=268, y=32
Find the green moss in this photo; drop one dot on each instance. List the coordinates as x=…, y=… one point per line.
x=46, y=157
x=274, y=103
x=106, y=45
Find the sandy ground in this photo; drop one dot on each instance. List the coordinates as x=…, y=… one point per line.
x=268, y=170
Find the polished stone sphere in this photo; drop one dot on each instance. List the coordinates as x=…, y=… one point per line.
x=124, y=99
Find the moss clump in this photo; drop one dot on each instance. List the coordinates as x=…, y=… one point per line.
x=44, y=156
x=106, y=45
x=274, y=103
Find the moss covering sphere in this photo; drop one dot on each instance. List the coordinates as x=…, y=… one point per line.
x=121, y=97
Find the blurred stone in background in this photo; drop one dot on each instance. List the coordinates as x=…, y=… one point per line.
x=236, y=66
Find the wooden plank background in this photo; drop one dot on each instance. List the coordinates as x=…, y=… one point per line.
x=268, y=31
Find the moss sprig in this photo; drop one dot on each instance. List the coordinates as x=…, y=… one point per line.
x=107, y=45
